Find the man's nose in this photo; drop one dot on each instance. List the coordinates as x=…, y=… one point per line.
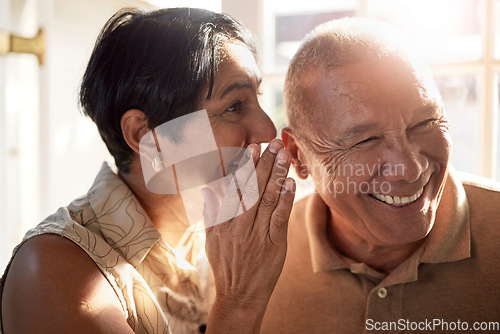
x=403, y=160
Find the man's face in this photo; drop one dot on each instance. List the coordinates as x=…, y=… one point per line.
x=378, y=152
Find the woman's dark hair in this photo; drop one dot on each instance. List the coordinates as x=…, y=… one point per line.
x=158, y=62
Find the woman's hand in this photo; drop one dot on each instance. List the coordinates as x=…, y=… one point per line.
x=247, y=252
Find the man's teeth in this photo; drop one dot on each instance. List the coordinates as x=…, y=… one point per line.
x=398, y=200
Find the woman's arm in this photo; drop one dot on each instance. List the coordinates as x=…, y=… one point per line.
x=73, y=296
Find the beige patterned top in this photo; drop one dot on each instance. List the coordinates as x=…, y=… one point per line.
x=160, y=291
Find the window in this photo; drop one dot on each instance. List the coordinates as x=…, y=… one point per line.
x=290, y=22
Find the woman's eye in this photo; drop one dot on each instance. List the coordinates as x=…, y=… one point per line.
x=235, y=107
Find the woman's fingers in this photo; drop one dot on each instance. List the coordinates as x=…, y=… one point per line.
x=279, y=219
x=254, y=151
x=253, y=195
x=266, y=163
x=271, y=192
x=246, y=192
x=253, y=189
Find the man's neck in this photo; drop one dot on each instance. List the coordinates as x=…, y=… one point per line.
x=383, y=258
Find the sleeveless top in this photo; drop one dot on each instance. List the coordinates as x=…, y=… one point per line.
x=159, y=290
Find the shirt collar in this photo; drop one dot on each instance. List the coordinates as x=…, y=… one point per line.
x=448, y=241
x=125, y=225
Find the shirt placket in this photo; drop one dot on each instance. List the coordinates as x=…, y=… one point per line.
x=384, y=310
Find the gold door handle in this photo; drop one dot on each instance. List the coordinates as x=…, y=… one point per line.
x=14, y=43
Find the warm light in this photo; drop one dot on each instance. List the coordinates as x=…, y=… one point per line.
x=443, y=30
x=430, y=17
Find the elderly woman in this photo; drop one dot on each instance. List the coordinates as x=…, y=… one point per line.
x=125, y=257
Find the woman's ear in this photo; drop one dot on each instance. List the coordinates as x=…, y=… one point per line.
x=134, y=126
x=297, y=153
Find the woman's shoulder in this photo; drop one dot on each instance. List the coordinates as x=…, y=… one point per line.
x=52, y=285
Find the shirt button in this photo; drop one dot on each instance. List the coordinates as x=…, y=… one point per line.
x=382, y=293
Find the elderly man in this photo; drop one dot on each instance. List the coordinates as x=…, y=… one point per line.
x=392, y=240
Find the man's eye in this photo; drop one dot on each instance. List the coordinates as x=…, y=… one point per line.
x=427, y=123
x=367, y=140
x=235, y=107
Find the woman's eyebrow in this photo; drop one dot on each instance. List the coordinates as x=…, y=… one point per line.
x=235, y=86
x=239, y=85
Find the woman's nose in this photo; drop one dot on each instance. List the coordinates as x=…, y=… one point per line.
x=261, y=128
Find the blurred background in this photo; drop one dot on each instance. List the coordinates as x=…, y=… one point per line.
x=50, y=153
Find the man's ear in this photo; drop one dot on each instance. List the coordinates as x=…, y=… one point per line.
x=297, y=153
x=134, y=126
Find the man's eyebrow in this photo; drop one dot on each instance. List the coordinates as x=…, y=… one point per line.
x=238, y=85
x=429, y=108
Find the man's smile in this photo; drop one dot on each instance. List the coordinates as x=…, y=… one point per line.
x=398, y=200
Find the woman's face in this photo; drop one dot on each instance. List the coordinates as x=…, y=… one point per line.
x=234, y=111
x=208, y=146
x=236, y=120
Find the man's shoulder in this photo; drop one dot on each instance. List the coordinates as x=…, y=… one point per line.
x=483, y=197
x=482, y=193
x=477, y=183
